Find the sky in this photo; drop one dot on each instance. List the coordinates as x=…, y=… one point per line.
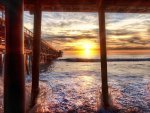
x=78, y=33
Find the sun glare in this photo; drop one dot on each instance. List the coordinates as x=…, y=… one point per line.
x=87, y=48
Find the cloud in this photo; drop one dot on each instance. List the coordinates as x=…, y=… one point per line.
x=121, y=32
x=70, y=38
x=128, y=48
x=136, y=40
x=124, y=30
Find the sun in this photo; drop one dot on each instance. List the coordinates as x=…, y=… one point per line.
x=87, y=48
x=84, y=48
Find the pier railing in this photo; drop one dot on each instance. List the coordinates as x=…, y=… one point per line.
x=28, y=32
x=47, y=51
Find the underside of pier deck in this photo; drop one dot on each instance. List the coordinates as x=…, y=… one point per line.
x=130, y=6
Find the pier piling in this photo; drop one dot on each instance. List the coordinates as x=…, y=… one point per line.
x=36, y=52
x=103, y=54
x=14, y=84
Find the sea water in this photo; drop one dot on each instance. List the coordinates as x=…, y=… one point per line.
x=75, y=87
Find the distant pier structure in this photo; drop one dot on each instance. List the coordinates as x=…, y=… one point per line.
x=47, y=52
x=15, y=48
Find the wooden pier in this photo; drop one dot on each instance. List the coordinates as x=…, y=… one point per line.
x=14, y=87
x=47, y=52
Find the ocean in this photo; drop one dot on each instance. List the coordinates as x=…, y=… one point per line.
x=75, y=87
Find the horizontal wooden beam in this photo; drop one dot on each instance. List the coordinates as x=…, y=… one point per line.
x=128, y=3
x=134, y=6
x=64, y=2
x=124, y=6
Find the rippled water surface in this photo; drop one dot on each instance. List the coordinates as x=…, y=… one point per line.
x=76, y=87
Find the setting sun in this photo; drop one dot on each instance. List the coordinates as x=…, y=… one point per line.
x=86, y=48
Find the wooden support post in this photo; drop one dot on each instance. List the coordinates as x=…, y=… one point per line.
x=44, y=59
x=25, y=61
x=30, y=62
x=103, y=53
x=14, y=83
x=1, y=64
x=2, y=14
x=27, y=64
x=36, y=53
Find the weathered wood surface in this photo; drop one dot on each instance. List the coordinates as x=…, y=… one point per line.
x=14, y=81
x=125, y=6
x=91, y=5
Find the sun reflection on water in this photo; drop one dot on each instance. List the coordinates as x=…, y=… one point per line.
x=86, y=81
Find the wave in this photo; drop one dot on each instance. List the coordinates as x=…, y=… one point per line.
x=109, y=60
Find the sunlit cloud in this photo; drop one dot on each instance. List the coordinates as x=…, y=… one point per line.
x=123, y=30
